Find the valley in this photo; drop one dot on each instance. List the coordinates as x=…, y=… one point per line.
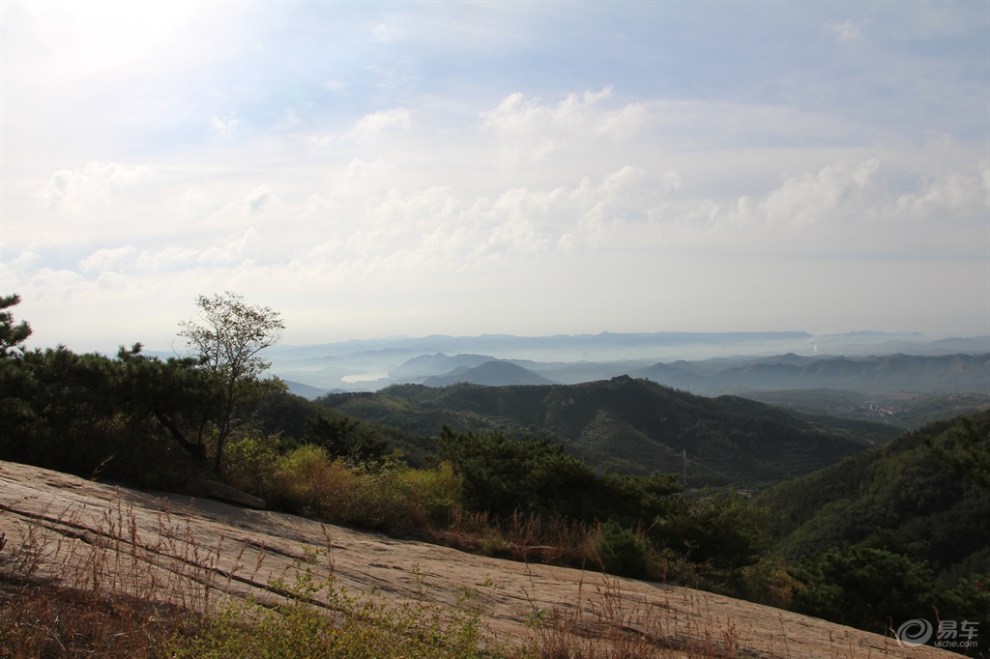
x=855, y=491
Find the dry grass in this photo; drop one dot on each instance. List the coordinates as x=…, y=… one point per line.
x=67, y=590
x=522, y=537
x=609, y=624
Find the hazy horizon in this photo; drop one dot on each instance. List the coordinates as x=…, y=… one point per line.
x=613, y=345
x=380, y=169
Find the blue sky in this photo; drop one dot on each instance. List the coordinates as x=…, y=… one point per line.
x=377, y=169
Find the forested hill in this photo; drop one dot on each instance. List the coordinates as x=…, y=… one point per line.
x=629, y=425
x=906, y=524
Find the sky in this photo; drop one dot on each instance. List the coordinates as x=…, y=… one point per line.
x=383, y=169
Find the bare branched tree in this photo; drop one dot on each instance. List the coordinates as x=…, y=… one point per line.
x=228, y=336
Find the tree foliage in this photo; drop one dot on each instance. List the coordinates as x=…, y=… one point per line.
x=180, y=396
x=505, y=474
x=91, y=414
x=893, y=533
x=228, y=338
x=11, y=336
x=865, y=586
x=343, y=437
x=720, y=529
x=965, y=451
x=625, y=425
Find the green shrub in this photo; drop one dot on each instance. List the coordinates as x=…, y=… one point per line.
x=307, y=482
x=382, y=501
x=720, y=529
x=250, y=463
x=768, y=582
x=436, y=491
x=402, y=500
x=393, y=498
x=622, y=551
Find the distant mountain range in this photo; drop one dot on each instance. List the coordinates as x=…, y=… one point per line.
x=706, y=363
x=885, y=374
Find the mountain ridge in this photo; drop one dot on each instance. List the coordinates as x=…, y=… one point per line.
x=630, y=425
x=493, y=373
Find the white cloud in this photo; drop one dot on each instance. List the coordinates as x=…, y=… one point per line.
x=518, y=117
x=224, y=126
x=370, y=129
x=847, y=30
x=809, y=198
x=384, y=32
x=436, y=225
x=93, y=183
x=321, y=141
x=625, y=122
x=291, y=118
x=529, y=129
x=360, y=230
x=115, y=258
x=373, y=127
x=258, y=199
x=955, y=194
x=670, y=181
x=54, y=284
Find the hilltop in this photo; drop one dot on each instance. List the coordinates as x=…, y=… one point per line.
x=494, y=373
x=629, y=425
x=204, y=546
